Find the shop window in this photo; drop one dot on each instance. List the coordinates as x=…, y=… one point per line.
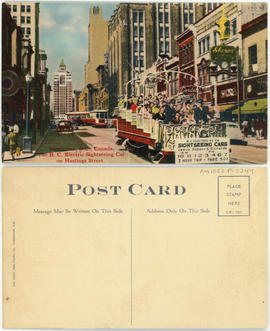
x=191, y=50
x=234, y=27
x=215, y=37
x=141, y=17
x=161, y=47
x=204, y=45
x=136, y=62
x=135, y=18
x=200, y=76
x=185, y=18
x=167, y=32
x=252, y=54
x=207, y=43
x=200, y=47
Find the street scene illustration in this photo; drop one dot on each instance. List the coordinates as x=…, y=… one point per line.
x=134, y=83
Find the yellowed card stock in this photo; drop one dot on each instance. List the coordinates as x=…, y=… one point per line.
x=134, y=247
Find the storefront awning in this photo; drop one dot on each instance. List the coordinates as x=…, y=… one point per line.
x=253, y=107
x=226, y=107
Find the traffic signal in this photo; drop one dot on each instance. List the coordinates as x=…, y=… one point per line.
x=224, y=26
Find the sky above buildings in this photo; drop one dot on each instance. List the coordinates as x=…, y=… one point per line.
x=64, y=35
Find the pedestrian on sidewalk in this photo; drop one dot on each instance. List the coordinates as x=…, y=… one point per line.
x=12, y=143
x=264, y=128
x=245, y=127
x=4, y=136
x=16, y=128
x=6, y=129
x=257, y=127
x=252, y=128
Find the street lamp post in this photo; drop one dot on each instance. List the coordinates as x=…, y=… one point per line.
x=27, y=141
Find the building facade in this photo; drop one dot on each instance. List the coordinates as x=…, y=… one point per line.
x=139, y=35
x=75, y=100
x=97, y=44
x=26, y=15
x=102, y=86
x=62, y=92
x=16, y=56
x=187, y=83
x=221, y=91
x=254, y=44
x=83, y=100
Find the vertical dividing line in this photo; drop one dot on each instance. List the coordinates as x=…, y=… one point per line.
x=131, y=271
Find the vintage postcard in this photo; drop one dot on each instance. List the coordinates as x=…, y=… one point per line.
x=107, y=247
x=134, y=83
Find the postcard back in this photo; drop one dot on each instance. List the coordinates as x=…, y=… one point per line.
x=135, y=247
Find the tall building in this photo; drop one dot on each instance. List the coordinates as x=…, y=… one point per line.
x=13, y=70
x=75, y=100
x=139, y=34
x=97, y=44
x=26, y=15
x=62, y=91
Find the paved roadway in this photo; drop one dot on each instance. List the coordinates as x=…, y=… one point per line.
x=248, y=154
x=103, y=150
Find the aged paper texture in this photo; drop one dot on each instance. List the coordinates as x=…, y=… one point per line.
x=134, y=248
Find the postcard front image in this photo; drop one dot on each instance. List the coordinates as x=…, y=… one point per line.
x=134, y=83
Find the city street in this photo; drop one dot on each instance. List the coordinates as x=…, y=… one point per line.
x=248, y=154
x=102, y=149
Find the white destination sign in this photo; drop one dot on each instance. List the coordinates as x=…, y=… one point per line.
x=202, y=150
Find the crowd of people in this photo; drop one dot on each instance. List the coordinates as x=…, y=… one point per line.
x=175, y=111
x=169, y=110
x=256, y=127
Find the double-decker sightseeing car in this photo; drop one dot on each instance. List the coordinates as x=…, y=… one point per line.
x=97, y=118
x=160, y=141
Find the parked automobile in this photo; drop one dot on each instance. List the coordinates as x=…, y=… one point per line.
x=235, y=134
x=64, y=126
x=75, y=125
x=52, y=125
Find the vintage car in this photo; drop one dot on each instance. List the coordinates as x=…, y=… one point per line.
x=64, y=126
x=75, y=125
x=235, y=134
